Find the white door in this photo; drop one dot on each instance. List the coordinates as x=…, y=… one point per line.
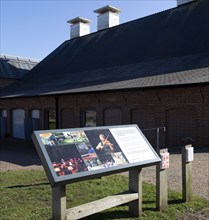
x=35, y=120
x=35, y=114
x=18, y=116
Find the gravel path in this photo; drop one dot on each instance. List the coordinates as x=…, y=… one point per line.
x=200, y=174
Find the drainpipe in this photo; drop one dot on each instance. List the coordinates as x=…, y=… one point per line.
x=57, y=111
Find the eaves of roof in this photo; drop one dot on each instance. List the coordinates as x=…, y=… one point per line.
x=182, y=78
x=193, y=77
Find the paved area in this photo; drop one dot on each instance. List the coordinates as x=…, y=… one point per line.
x=18, y=154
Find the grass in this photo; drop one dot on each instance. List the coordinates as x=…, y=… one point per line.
x=26, y=195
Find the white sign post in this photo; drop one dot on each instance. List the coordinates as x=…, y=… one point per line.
x=187, y=158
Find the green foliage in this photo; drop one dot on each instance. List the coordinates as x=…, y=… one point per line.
x=27, y=195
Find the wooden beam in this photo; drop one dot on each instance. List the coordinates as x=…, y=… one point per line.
x=99, y=205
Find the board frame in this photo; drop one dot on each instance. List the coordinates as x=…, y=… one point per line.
x=66, y=179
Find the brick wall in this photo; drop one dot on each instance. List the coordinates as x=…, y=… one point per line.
x=183, y=111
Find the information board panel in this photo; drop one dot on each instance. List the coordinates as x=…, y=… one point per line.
x=70, y=155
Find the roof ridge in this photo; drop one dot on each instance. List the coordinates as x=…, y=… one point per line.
x=18, y=58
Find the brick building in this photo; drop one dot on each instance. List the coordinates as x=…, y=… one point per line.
x=153, y=72
x=12, y=69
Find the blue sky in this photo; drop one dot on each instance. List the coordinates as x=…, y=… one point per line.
x=33, y=29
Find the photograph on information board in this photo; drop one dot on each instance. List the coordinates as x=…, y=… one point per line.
x=79, y=151
x=106, y=146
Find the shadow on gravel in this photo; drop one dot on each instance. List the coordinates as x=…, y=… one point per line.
x=19, y=152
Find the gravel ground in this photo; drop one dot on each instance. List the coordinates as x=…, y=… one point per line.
x=19, y=155
x=200, y=174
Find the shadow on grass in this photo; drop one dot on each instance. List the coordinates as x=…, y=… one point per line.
x=170, y=202
x=28, y=185
x=116, y=214
x=175, y=201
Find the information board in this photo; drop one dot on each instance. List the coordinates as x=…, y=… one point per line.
x=70, y=155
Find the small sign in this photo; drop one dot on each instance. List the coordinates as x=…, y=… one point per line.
x=164, y=160
x=189, y=154
x=69, y=155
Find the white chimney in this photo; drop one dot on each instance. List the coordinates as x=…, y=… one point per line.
x=108, y=17
x=181, y=2
x=79, y=27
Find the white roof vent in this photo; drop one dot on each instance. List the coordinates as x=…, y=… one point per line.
x=79, y=27
x=181, y=2
x=108, y=17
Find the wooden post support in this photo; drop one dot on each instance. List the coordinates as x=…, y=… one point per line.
x=187, y=158
x=135, y=185
x=162, y=183
x=59, y=202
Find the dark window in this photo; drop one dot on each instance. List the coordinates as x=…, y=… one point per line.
x=51, y=119
x=88, y=118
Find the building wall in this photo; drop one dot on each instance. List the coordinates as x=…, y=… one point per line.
x=183, y=111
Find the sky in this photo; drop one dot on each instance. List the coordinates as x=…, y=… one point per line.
x=34, y=28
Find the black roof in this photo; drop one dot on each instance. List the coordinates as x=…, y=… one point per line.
x=12, y=67
x=165, y=49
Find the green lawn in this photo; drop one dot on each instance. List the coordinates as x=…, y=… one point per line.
x=27, y=195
